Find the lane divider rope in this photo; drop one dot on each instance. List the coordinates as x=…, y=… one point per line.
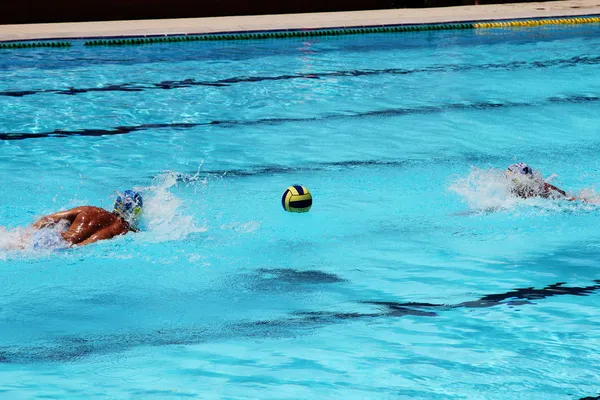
x=537, y=22
x=344, y=31
x=279, y=34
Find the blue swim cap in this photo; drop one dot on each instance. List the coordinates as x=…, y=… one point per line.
x=128, y=205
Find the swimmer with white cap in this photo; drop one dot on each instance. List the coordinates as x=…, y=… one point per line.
x=88, y=224
x=525, y=182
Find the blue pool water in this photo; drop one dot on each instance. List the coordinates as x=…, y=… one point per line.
x=414, y=275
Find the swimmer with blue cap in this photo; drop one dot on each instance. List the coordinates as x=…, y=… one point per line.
x=90, y=224
x=525, y=182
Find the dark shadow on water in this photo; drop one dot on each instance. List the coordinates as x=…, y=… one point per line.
x=296, y=276
x=69, y=349
x=285, y=281
x=514, y=297
x=327, y=316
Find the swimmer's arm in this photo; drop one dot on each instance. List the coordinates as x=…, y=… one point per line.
x=549, y=187
x=106, y=233
x=69, y=215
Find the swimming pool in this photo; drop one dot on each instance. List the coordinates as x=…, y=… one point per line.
x=413, y=275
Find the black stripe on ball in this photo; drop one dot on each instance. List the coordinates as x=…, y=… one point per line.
x=283, y=198
x=301, y=203
x=300, y=189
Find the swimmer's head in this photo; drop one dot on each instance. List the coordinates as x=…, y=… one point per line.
x=519, y=169
x=524, y=181
x=128, y=205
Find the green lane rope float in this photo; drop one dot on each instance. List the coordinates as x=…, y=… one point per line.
x=311, y=33
x=31, y=45
x=277, y=34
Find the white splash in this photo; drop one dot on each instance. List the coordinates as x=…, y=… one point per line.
x=165, y=216
x=31, y=240
x=487, y=190
x=12, y=240
x=589, y=196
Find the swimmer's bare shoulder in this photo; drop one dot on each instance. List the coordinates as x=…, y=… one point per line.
x=88, y=224
x=118, y=227
x=68, y=215
x=92, y=224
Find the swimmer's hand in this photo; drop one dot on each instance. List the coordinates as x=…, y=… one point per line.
x=43, y=222
x=51, y=219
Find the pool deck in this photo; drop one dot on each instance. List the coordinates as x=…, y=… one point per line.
x=298, y=21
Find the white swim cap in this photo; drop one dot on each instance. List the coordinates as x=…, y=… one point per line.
x=520, y=168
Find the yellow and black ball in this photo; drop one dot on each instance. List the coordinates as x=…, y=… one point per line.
x=296, y=199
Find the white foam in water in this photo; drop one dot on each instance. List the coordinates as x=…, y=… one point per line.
x=48, y=239
x=30, y=240
x=11, y=240
x=164, y=216
x=590, y=196
x=487, y=190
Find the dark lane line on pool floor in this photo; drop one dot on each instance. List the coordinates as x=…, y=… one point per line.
x=463, y=159
x=73, y=348
x=391, y=112
x=119, y=130
x=277, y=121
x=186, y=83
